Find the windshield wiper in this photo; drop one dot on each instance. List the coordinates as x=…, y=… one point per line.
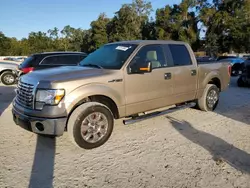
x=93, y=65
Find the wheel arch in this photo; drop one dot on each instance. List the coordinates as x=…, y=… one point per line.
x=95, y=93
x=107, y=101
x=216, y=81
x=213, y=78
x=5, y=70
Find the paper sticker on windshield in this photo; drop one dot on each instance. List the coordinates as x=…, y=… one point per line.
x=123, y=48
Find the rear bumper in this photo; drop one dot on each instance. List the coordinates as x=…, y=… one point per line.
x=43, y=126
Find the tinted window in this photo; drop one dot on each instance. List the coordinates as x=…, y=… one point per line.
x=27, y=62
x=152, y=53
x=225, y=57
x=82, y=57
x=180, y=55
x=61, y=60
x=111, y=56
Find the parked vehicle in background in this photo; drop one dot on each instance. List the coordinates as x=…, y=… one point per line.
x=246, y=57
x=237, y=65
x=224, y=57
x=244, y=79
x=8, y=72
x=20, y=59
x=8, y=59
x=118, y=80
x=16, y=59
x=204, y=59
x=49, y=60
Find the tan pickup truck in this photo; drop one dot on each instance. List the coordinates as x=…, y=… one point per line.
x=118, y=80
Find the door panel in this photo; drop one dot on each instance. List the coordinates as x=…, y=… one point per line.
x=149, y=91
x=184, y=73
x=185, y=83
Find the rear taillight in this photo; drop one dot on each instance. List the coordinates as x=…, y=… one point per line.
x=27, y=70
x=229, y=70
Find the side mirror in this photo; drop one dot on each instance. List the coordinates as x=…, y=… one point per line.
x=141, y=68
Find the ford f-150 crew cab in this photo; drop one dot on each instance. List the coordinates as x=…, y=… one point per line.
x=118, y=80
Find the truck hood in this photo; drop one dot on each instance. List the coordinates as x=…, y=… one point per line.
x=63, y=74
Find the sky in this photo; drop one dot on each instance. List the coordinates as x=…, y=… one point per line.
x=20, y=17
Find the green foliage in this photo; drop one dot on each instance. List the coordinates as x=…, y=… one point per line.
x=129, y=21
x=5, y=43
x=99, y=34
x=227, y=25
x=177, y=22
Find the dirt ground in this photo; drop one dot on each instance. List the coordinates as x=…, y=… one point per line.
x=184, y=149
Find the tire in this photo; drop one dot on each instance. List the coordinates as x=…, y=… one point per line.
x=8, y=78
x=202, y=103
x=236, y=68
x=240, y=82
x=80, y=115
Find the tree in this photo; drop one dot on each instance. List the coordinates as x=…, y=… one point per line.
x=39, y=42
x=177, y=22
x=227, y=22
x=149, y=30
x=5, y=44
x=128, y=22
x=67, y=33
x=99, y=32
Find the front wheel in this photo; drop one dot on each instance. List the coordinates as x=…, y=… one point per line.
x=8, y=78
x=210, y=98
x=90, y=125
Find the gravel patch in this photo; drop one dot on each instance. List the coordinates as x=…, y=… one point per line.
x=187, y=148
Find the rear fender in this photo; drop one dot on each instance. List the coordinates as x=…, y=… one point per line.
x=208, y=77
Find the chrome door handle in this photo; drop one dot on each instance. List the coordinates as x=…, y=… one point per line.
x=167, y=76
x=193, y=72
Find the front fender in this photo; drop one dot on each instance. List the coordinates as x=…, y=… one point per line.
x=77, y=95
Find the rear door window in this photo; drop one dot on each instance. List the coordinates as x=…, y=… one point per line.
x=61, y=60
x=180, y=55
x=28, y=62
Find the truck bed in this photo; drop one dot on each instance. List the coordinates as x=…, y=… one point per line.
x=221, y=69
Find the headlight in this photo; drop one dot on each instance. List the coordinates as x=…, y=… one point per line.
x=52, y=97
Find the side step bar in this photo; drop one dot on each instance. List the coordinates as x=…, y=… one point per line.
x=158, y=113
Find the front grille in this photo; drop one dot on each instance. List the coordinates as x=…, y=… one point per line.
x=24, y=94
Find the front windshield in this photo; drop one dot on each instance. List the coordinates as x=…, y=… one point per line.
x=111, y=56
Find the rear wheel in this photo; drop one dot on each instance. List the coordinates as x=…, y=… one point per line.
x=240, y=82
x=90, y=125
x=8, y=78
x=210, y=98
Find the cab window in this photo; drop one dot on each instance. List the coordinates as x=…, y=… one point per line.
x=180, y=55
x=152, y=53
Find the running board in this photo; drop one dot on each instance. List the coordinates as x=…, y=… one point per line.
x=157, y=113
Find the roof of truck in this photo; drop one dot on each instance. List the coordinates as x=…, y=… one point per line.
x=59, y=52
x=143, y=42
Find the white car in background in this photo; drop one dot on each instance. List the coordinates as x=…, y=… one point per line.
x=8, y=72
